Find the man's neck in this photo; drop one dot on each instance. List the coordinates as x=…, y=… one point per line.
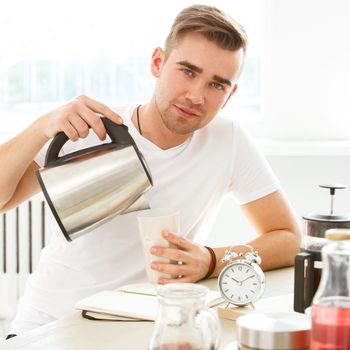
x=153, y=129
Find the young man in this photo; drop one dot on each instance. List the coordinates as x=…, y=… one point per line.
x=196, y=158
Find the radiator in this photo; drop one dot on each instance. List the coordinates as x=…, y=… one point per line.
x=23, y=233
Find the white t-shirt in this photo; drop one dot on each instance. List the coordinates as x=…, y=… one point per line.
x=193, y=178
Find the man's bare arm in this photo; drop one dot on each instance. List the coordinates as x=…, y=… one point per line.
x=277, y=243
x=278, y=231
x=17, y=178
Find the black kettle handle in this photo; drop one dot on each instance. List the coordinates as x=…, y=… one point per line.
x=118, y=133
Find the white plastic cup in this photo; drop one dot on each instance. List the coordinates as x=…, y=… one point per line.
x=152, y=223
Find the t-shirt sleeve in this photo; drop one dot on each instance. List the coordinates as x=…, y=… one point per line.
x=252, y=176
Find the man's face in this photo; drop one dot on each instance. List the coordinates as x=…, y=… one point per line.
x=194, y=82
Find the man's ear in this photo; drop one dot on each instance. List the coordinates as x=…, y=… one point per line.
x=231, y=93
x=157, y=60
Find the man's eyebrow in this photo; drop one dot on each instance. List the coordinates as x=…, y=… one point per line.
x=200, y=70
x=190, y=66
x=222, y=80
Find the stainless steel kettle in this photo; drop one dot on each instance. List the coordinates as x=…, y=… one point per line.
x=86, y=188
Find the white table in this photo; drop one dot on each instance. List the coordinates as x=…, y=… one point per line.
x=75, y=332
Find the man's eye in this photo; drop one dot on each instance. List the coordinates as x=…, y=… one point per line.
x=187, y=72
x=217, y=86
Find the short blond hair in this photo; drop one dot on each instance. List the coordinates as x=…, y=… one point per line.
x=210, y=22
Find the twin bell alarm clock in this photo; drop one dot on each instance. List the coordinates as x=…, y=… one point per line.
x=242, y=281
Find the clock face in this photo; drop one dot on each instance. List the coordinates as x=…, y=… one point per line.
x=240, y=283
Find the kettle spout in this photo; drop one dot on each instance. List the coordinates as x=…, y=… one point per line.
x=140, y=204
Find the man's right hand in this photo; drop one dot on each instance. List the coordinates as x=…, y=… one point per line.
x=76, y=117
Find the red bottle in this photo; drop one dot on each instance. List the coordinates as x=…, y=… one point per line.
x=331, y=304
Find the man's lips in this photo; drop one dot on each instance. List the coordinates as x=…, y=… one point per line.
x=187, y=112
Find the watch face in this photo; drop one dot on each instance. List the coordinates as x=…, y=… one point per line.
x=241, y=283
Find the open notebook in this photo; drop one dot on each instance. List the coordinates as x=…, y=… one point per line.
x=133, y=302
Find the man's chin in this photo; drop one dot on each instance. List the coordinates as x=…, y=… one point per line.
x=181, y=126
x=183, y=132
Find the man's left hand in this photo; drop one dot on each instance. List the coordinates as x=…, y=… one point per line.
x=189, y=261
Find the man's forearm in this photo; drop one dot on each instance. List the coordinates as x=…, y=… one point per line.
x=276, y=249
x=16, y=155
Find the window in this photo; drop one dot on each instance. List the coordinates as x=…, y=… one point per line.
x=52, y=51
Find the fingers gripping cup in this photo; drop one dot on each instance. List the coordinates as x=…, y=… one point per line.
x=151, y=225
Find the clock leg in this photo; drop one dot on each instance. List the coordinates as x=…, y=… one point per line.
x=227, y=305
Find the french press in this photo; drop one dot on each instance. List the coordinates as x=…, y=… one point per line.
x=308, y=263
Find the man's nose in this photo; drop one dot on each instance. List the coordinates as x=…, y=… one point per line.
x=196, y=93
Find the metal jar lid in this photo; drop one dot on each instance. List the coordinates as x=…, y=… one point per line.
x=338, y=234
x=274, y=330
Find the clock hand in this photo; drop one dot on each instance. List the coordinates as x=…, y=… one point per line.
x=235, y=280
x=247, y=278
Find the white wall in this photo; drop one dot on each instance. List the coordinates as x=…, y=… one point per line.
x=300, y=177
x=306, y=69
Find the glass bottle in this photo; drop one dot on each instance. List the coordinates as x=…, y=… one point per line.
x=184, y=322
x=331, y=304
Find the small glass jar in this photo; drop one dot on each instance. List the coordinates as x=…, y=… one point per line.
x=184, y=322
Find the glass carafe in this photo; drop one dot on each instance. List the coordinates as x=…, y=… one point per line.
x=331, y=304
x=184, y=322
